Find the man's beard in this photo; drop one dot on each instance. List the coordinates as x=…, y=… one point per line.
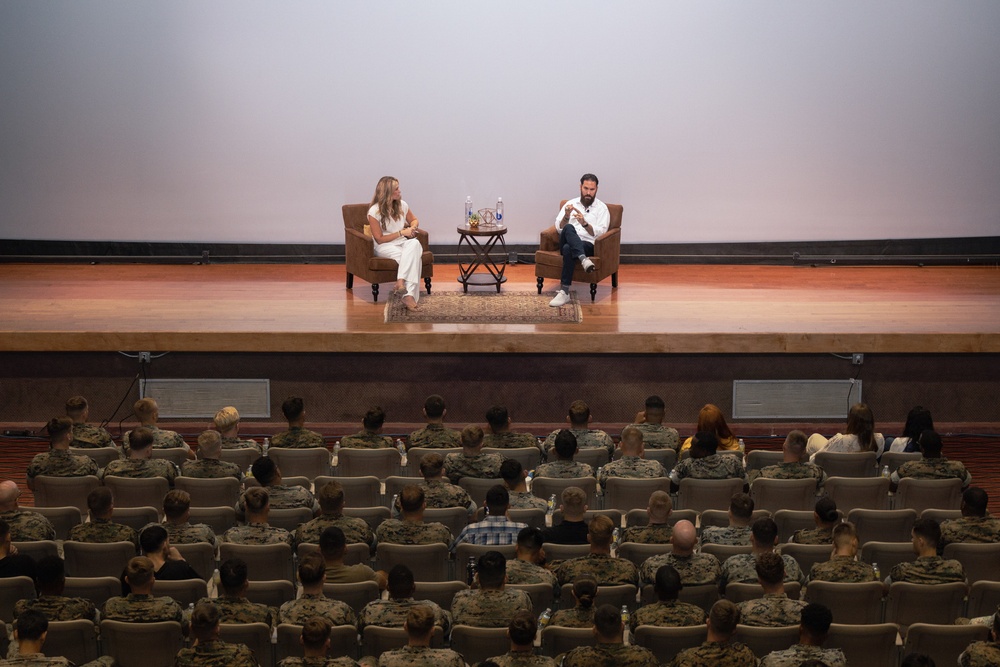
x=586, y=200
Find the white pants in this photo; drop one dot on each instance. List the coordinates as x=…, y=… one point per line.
x=408, y=255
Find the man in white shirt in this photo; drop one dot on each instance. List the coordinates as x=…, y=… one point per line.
x=579, y=222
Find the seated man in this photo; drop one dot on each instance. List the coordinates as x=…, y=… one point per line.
x=500, y=436
x=312, y=576
x=101, y=529
x=208, y=650
x=826, y=517
x=168, y=564
x=610, y=648
x=694, y=569
x=579, y=425
x=370, y=436
x=742, y=568
x=928, y=568
x=232, y=603
x=209, y=464
x=297, y=436
x=527, y=567
x=521, y=632
x=257, y=530
x=331, y=504
x=794, y=464
x=775, y=609
x=719, y=648
x=419, y=628
x=30, y=632
x=650, y=421
x=706, y=463
x=333, y=546
x=435, y=435
x=491, y=605
x=573, y=529
x=579, y=222
x=391, y=613
x=411, y=528
x=563, y=466
x=177, y=521
x=58, y=462
x=50, y=580
x=515, y=477
x=227, y=422
x=472, y=461
x=140, y=463
x=814, y=625
x=983, y=654
x=315, y=641
x=667, y=611
x=438, y=491
x=282, y=497
x=139, y=606
x=656, y=530
x=974, y=525
x=843, y=564
x=631, y=465
x=23, y=525
x=738, y=531
x=84, y=434
x=148, y=413
x=495, y=529
x=607, y=570
x=933, y=465
x=13, y=564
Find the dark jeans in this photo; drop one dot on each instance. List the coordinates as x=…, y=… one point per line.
x=572, y=248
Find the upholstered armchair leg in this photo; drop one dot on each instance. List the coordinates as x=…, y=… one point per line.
x=375, y=291
x=539, y=282
x=350, y=281
x=614, y=279
x=593, y=291
x=427, y=284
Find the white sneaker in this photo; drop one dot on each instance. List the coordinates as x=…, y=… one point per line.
x=561, y=299
x=588, y=265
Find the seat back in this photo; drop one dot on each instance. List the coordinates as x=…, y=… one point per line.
x=851, y=493
x=542, y=596
x=922, y=494
x=243, y=457
x=529, y=457
x=200, y=556
x=62, y=518
x=102, y=455
x=308, y=462
x=847, y=464
x=896, y=459
x=789, y=521
x=136, y=518
x=184, y=591
x=639, y=553
x=289, y=518
x=376, y=640
x=624, y=494
x=887, y=555
x=97, y=560
x=265, y=562
x=557, y=640
x=765, y=640
x=666, y=456
x=394, y=486
x=96, y=589
x=13, y=589
x=219, y=519
x=373, y=516
x=666, y=642
x=943, y=643
x=381, y=463
x=807, y=555
x=456, y=518
x=142, y=644
x=595, y=457
x=74, y=640
x=176, y=455
x=210, y=492
x=343, y=642
x=429, y=562
x=724, y=551
x=720, y=517
x=256, y=636
x=761, y=458
x=534, y=517
x=145, y=492
x=478, y=644
x=37, y=549
x=981, y=562
x=273, y=593
x=439, y=592
x=860, y=603
x=707, y=494
x=65, y=491
x=477, y=487
x=865, y=645
x=544, y=487
x=556, y=551
x=361, y=491
x=924, y=603
x=984, y=598
x=940, y=515
x=465, y=551
x=781, y=494
x=356, y=594
x=883, y=525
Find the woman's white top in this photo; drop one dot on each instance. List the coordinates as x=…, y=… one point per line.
x=391, y=224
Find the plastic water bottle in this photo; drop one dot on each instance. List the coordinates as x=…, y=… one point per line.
x=743, y=445
x=336, y=453
x=885, y=471
x=545, y=617
x=470, y=570
x=625, y=614
x=615, y=536
x=402, y=451
x=552, y=505
x=468, y=209
x=499, y=215
x=267, y=445
x=878, y=572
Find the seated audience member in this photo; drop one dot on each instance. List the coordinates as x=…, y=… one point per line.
x=843, y=565
x=491, y=605
x=391, y=613
x=147, y=412
x=23, y=525
x=581, y=615
x=177, y=521
x=814, y=626
x=86, y=435
x=578, y=419
x=232, y=603
x=435, y=435
x=282, y=496
x=257, y=530
x=656, y=530
x=607, y=570
x=139, y=605
x=563, y=466
x=974, y=525
x=438, y=491
x=694, y=569
x=706, y=463
x=719, y=648
x=859, y=435
x=495, y=529
x=13, y=564
x=30, y=631
x=140, y=463
x=333, y=546
x=738, y=531
x=775, y=609
x=101, y=529
x=227, y=423
x=610, y=647
x=58, y=461
x=742, y=568
x=312, y=576
x=331, y=504
x=168, y=564
x=315, y=641
x=208, y=650
x=933, y=465
x=928, y=568
x=500, y=436
x=527, y=567
x=711, y=420
x=573, y=528
x=826, y=517
x=667, y=611
x=370, y=436
x=209, y=464
x=419, y=627
x=50, y=581
x=986, y=653
x=521, y=631
x=515, y=478
x=411, y=527
x=793, y=464
x=472, y=461
x=631, y=465
x=918, y=420
x=297, y=436
x=650, y=421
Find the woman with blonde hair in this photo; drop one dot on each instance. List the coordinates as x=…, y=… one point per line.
x=859, y=435
x=394, y=231
x=711, y=419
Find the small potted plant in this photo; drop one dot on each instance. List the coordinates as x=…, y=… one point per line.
x=473, y=220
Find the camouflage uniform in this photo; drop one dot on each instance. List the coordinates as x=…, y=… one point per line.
x=317, y=662
x=282, y=497
x=421, y=656
x=980, y=654
x=510, y=440
x=523, y=659
x=658, y=436
x=355, y=529
x=401, y=531
x=35, y=660
x=606, y=570
x=523, y=572
x=241, y=610
x=27, y=526
x=440, y=493
x=799, y=653
x=58, y=608
x=141, y=469
x=366, y=440
x=237, y=443
x=216, y=653
x=742, y=569
x=586, y=438
x=162, y=439
x=813, y=536
x=928, y=570
x=789, y=471
x=87, y=436
x=610, y=655
x=488, y=608
x=842, y=569
x=564, y=470
x=979, y=529
x=735, y=535
x=656, y=533
x=716, y=654
x=299, y=611
x=137, y=608
x=483, y=466
x=392, y=613
x=672, y=613
x=940, y=468
x=60, y=463
x=190, y=533
x=297, y=437
x=631, y=467
x=774, y=610
x=435, y=436
x=103, y=531
x=577, y=617
x=211, y=469
x=716, y=466
x=695, y=570
x=257, y=533
x=525, y=500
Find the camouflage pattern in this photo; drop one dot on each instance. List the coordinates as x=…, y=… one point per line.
x=610, y=655
x=435, y=436
x=350, y=574
x=695, y=570
x=813, y=536
x=211, y=469
x=238, y=443
x=577, y=617
x=586, y=438
x=842, y=569
x=483, y=466
x=657, y=533
x=35, y=660
x=282, y=497
x=297, y=437
x=564, y=469
x=58, y=608
x=716, y=654
x=510, y=440
x=60, y=463
x=241, y=610
x=742, y=568
x=216, y=653
x=257, y=533
x=658, y=436
x=928, y=570
x=523, y=659
x=799, y=653
x=162, y=439
x=392, y=613
x=299, y=611
x=525, y=500
x=441, y=493
x=523, y=572
x=606, y=570
x=488, y=608
x=317, y=662
x=140, y=608
x=190, y=533
x=631, y=467
x=716, y=466
x=980, y=654
x=789, y=471
x=141, y=469
x=978, y=529
x=735, y=535
x=366, y=440
x=355, y=529
x=27, y=526
x=940, y=468
x=88, y=436
x=774, y=610
x=421, y=656
x=672, y=613
x=103, y=531
x=400, y=531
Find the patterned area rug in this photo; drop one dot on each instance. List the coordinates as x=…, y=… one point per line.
x=485, y=308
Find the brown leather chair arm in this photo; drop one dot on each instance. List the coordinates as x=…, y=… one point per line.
x=607, y=246
x=424, y=237
x=549, y=239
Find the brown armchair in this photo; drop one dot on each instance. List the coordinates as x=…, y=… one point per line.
x=359, y=252
x=607, y=249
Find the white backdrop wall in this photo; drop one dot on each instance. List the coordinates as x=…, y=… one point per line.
x=253, y=121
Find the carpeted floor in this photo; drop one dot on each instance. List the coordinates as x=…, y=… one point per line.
x=485, y=308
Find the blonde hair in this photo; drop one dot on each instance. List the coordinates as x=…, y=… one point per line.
x=388, y=208
x=144, y=407
x=601, y=530
x=226, y=418
x=209, y=444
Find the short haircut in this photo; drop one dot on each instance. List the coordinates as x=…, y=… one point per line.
x=655, y=403
x=770, y=568
x=256, y=499
x=293, y=407
x=530, y=539
x=264, y=470
x=492, y=569
x=660, y=504
x=144, y=408
x=140, y=439
x=497, y=417
x=976, y=500
x=589, y=177
x=631, y=437
x=76, y=405
x=330, y=496
x=601, y=530
x=332, y=542
x=816, y=619
x=607, y=621
x=434, y=406
x=523, y=628
x=315, y=632
x=176, y=503
x=472, y=435
x=585, y=590
x=401, y=581
x=210, y=442
x=796, y=440
x=419, y=621
x=411, y=498
x=139, y=571
x=31, y=625
x=431, y=465
x=667, y=584
x=741, y=505
x=511, y=471
x=100, y=500
x=312, y=568
x=58, y=427
x=844, y=533
x=232, y=575
x=579, y=413
x=565, y=444
x=226, y=418
x=929, y=530
x=724, y=616
x=764, y=530
x=705, y=441
x=151, y=538
x=573, y=499
x=826, y=510
x=204, y=618
x=373, y=419
x=930, y=444
x=497, y=499
x=50, y=572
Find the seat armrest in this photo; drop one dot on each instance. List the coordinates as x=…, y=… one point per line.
x=358, y=244
x=549, y=239
x=607, y=243
x=424, y=237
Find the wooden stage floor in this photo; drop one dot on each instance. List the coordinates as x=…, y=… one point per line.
x=656, y=309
